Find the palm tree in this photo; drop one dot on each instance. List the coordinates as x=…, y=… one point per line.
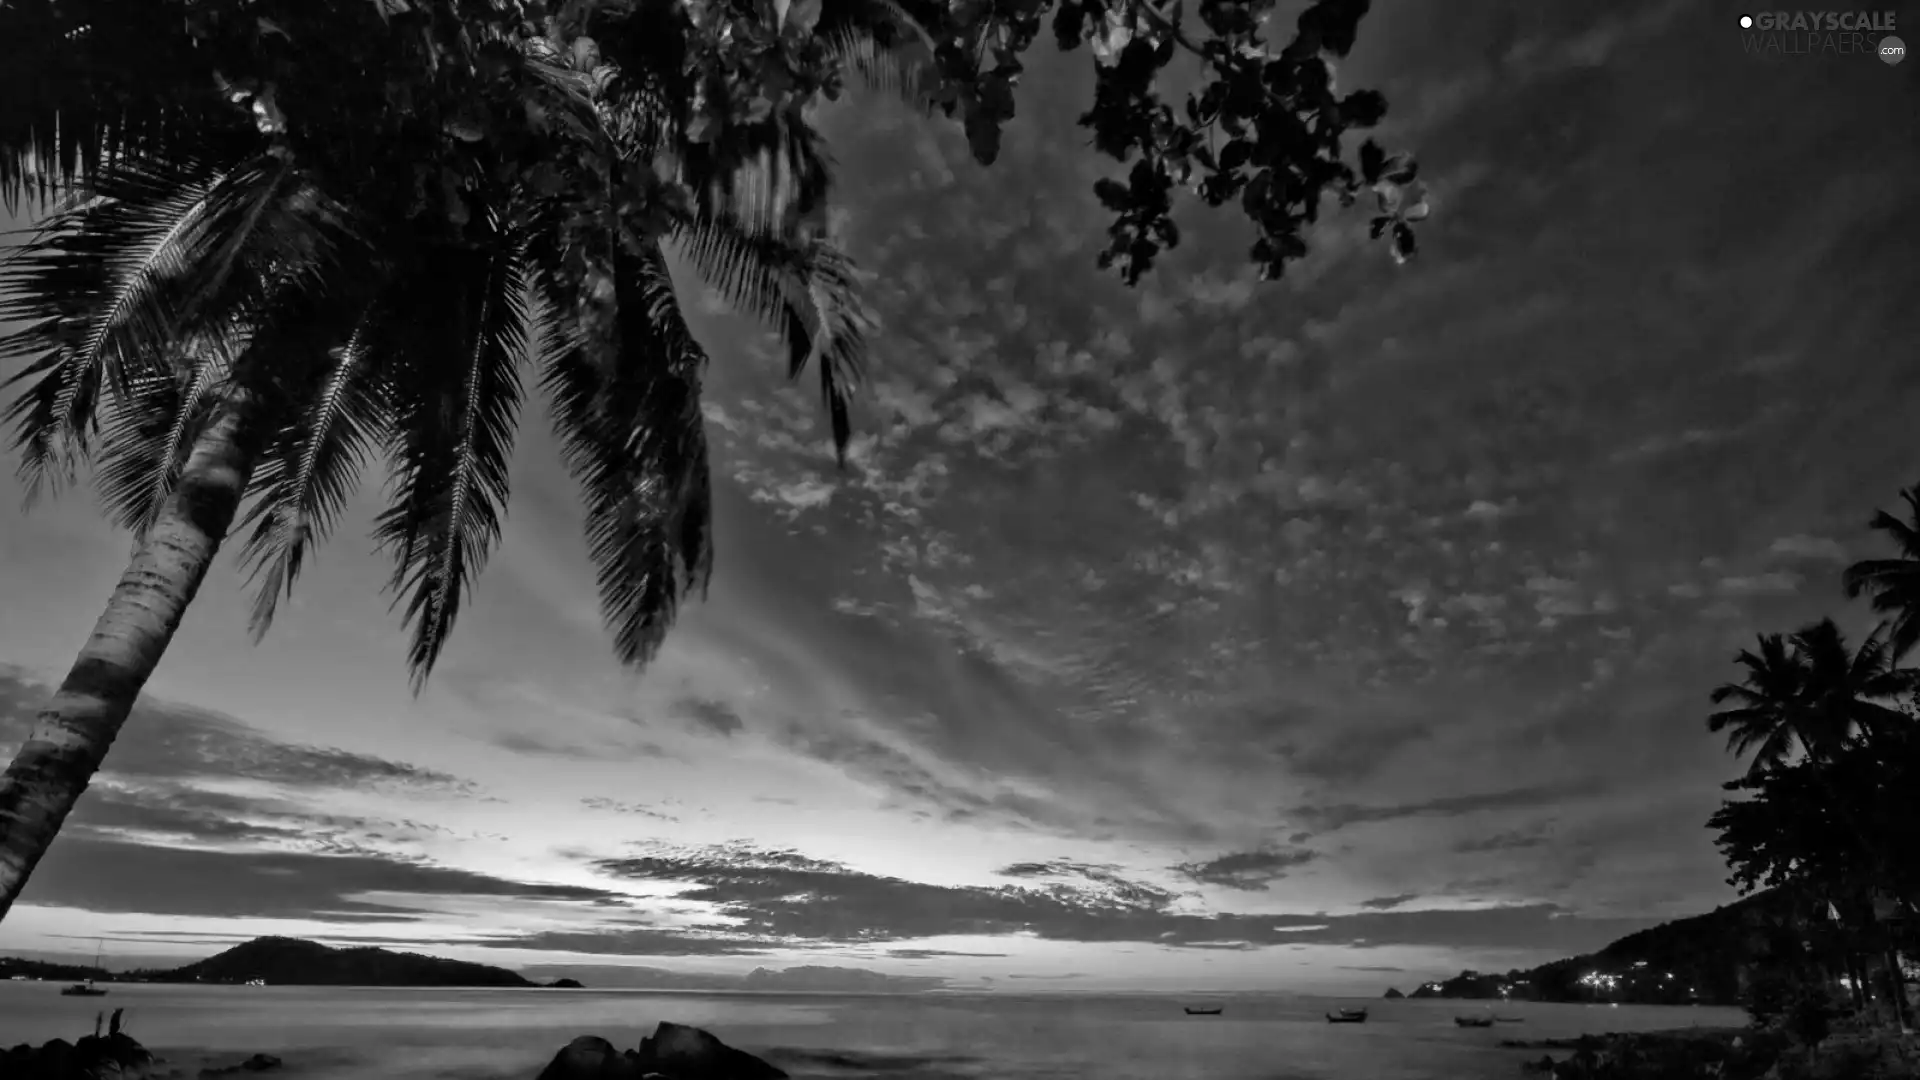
x=1811, y=690
x=233, y=310
x=1894, y=584
x=1768, y=717
x=1846, y=691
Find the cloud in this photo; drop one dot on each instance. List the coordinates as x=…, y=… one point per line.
x=712, y=717
x=175, y=814
x=1385, y=903
x=540, y=745
x=106, y=875
x=1325, y=819
x=1814, y=548
x=1501, y=841
x=168, y=741
x=617, y=806
x=1773, y=583
x=788, y=897
x=640, y=941
x=1252, y=871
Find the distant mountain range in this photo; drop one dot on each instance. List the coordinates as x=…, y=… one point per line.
x=1700, y=960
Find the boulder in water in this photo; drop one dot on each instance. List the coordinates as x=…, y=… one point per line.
x=688, y=1053
x=591, y=1057
x=255, y=1063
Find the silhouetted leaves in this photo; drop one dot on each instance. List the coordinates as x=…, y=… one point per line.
x=1273, y=118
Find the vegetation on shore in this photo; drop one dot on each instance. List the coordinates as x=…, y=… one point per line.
x=1693, y=961
x=1822, y=842
x=1824, y=818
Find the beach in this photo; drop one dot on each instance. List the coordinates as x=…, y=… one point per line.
x=329, y=1033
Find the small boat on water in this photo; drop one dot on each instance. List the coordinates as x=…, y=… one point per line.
x=1347, y=1016
x=1474, y=1021
x=87, y=989
x=1215, y=1011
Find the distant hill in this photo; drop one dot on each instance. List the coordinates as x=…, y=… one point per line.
x=11, y=966
x=815, y=978
x=292, y=962
x=808, y=979
x=1699, y=960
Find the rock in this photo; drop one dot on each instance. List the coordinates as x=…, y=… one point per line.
x=565, y=984
x=591, y=1057
x=116, y=1055
x=688, y=1053
x=1394, y=994
x=256, y=1063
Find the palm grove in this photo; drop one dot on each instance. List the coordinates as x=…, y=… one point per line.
x=277, y=242
x=1826, y=814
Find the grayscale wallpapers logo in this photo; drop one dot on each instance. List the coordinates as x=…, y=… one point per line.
x=1822, y=33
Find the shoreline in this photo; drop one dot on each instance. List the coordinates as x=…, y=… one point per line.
x=1659, y=1035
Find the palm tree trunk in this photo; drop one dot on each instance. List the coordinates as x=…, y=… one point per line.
x=1896, y=988
x=74, y=732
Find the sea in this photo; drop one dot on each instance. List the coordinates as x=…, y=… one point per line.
x=331, y=1033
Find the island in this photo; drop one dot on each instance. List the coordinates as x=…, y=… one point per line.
x=282, y=961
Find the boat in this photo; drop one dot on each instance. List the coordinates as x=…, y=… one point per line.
x=1215, y=1011
x=86, y=989
x=1347, y=1016
x=1474, y=1021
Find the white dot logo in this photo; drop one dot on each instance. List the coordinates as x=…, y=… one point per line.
x=1746, y=22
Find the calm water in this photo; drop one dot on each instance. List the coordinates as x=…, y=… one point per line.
x=485, y=1034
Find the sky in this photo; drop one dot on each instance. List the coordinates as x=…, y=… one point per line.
x=1320, y=635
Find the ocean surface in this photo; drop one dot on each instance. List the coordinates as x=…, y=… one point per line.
x=324, y=1033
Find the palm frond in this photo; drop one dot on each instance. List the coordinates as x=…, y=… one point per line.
x=95, y=291
x=310, y=467
x=456, y=396
x=149, y=429
x=1877, y=575
x=632, y=434
x=50, y=448
x=88, y=83
x=884, y=47
x=162, y=256
x=808, y=290
x=767, y=177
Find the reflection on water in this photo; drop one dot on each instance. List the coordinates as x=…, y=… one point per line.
x=486, y=1034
